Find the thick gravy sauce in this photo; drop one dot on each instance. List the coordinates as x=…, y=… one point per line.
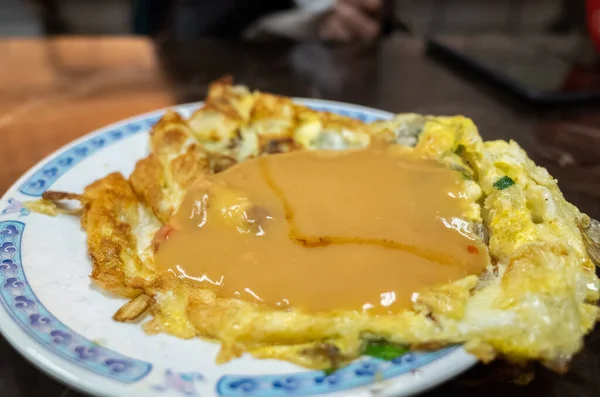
x=323, y=231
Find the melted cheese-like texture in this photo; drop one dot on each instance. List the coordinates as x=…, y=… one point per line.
x=361, y=230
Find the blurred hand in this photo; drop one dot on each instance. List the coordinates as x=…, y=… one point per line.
x=352, y=20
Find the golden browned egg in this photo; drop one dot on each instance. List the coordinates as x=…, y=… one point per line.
x=288, y=233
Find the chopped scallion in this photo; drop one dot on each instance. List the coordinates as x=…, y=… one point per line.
x=384, y=350
x=504, y=182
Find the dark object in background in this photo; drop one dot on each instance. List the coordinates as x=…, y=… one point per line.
x=532, y=74
x=192, y=19
x=149, y=16
x=570, y=18
x=51, y=17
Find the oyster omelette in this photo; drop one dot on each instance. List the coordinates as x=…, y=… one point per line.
x=289, y=233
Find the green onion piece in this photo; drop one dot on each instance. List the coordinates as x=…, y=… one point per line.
x=329, y=371
x=460, y=149
x=504, y=182
x=384, y=350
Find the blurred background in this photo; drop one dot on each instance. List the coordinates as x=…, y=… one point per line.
x=117, y=17
x=307, y=26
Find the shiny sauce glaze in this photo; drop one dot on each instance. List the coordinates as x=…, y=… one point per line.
x=357, y=230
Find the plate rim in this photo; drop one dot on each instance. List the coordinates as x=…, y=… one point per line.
x=59, y=368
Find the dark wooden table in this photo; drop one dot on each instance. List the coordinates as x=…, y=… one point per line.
x=52, y=91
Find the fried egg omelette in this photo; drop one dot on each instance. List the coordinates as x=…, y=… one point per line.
x=468, y=242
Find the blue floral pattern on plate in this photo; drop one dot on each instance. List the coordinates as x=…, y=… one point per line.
x=15, y=207
x=360, y=373
x=17, y=296
x=23, y=305
x=182, y=382
x=42, y=179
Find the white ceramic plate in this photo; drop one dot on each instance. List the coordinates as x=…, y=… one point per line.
x=54, y=316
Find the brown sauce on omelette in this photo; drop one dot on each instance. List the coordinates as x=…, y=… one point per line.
x=320, y=231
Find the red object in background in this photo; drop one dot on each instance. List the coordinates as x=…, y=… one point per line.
x=587, y=77
x=592, y=10
x=581, y=79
